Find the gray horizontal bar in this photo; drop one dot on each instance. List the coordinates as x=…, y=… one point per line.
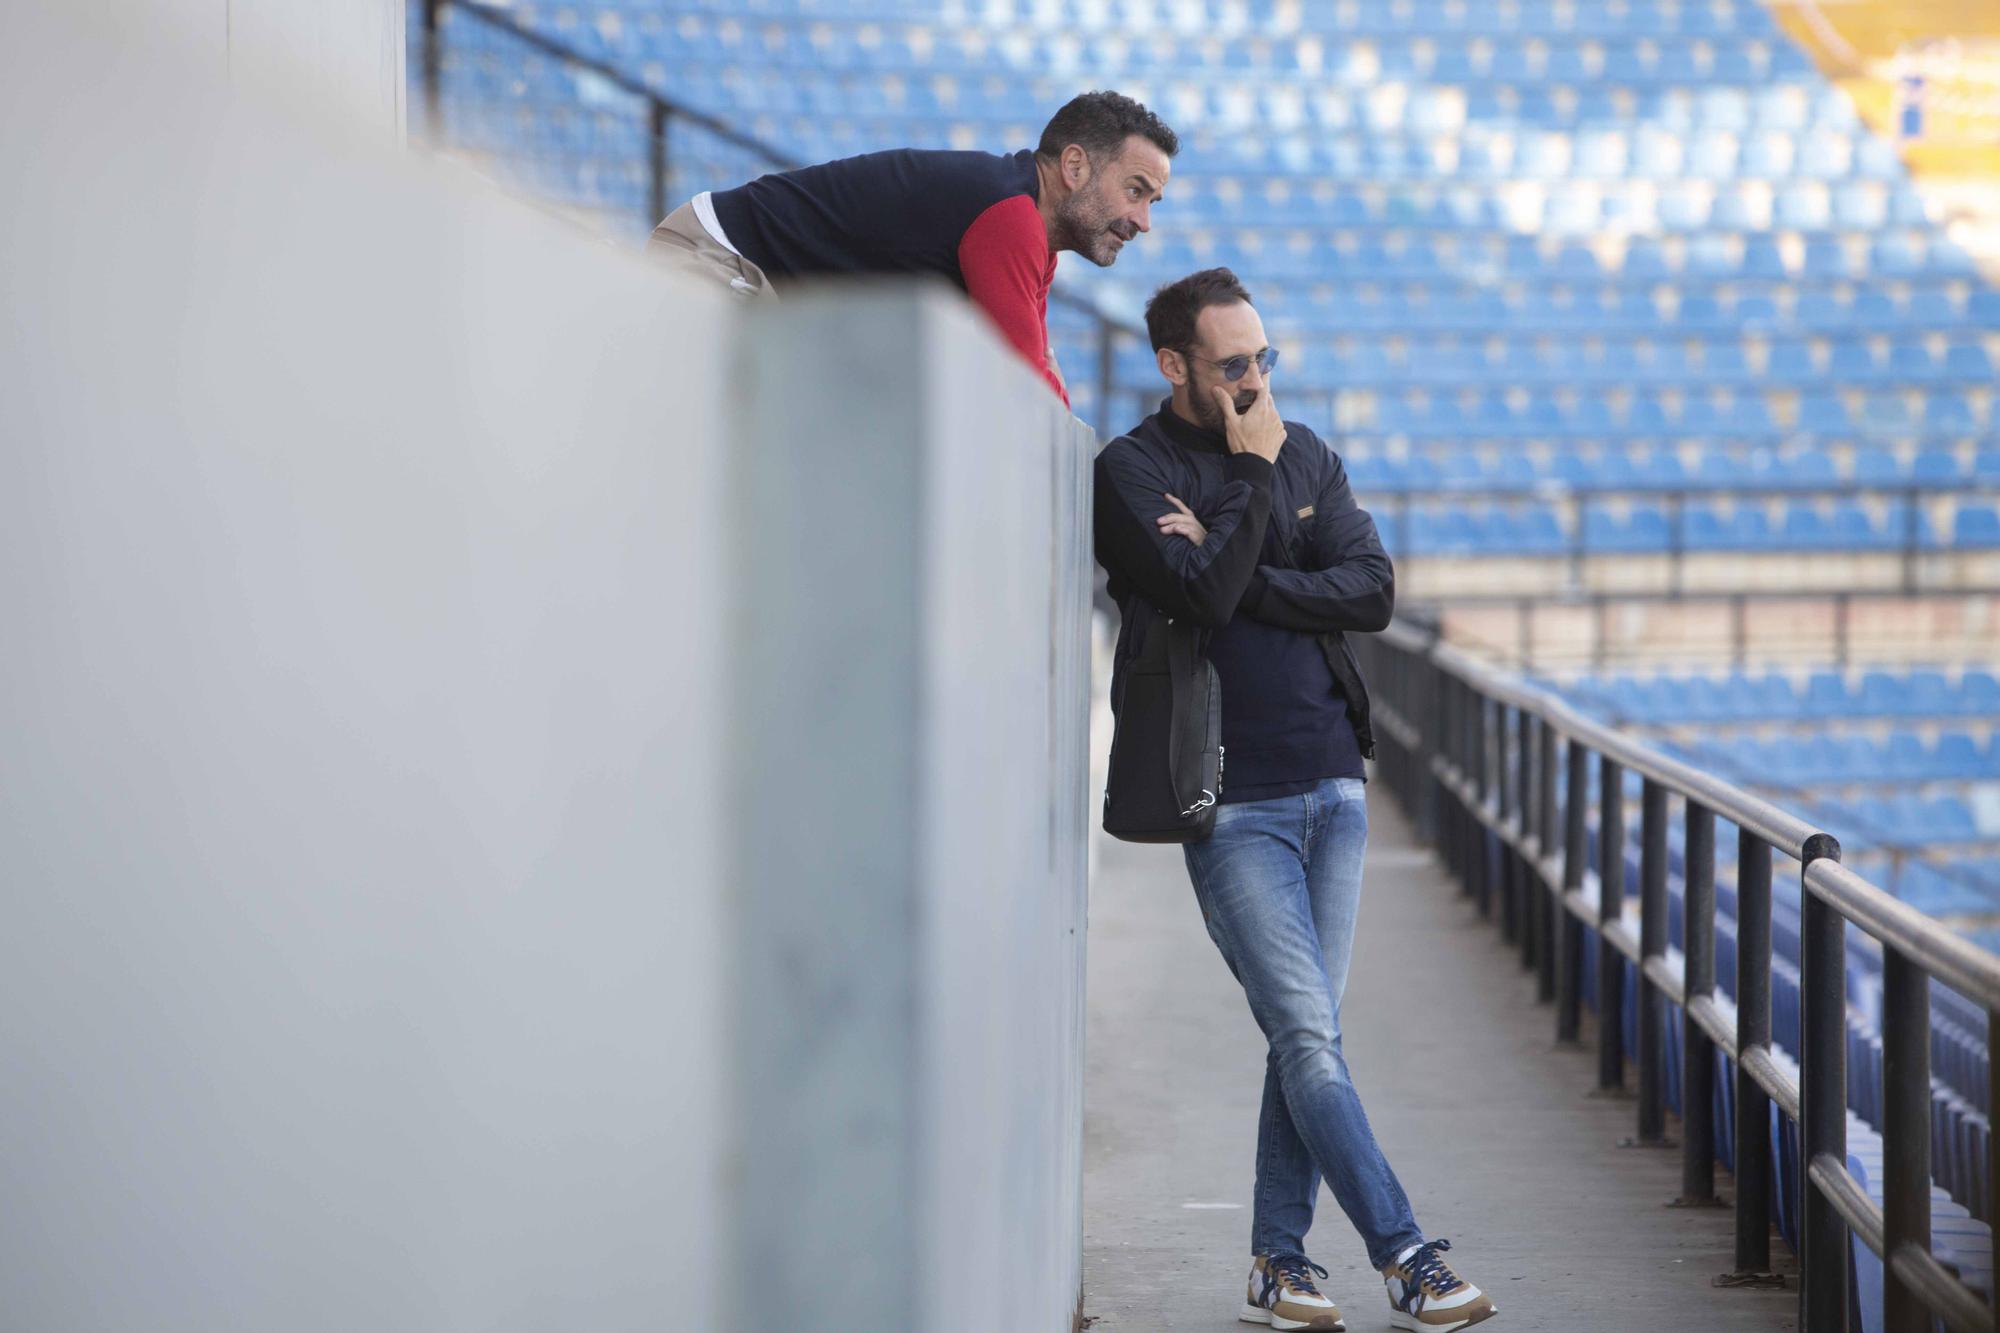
x=1844, y=1192
x=1941, y=1290
x=1709, y=1017
x=1581, y=906
x=1662, y=974
x=1955, y=961
x=1757, y=1060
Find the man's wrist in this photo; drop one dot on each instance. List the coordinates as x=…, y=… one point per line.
x=1246, y=466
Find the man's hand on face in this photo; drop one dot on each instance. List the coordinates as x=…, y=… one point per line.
x=1183, y=524
x=1258, y=431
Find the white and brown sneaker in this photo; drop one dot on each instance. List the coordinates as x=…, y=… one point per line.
x=1425, y=1294
x=1282, y=1295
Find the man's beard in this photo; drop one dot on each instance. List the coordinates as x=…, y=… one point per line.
x=1088, y=229
x=1209, y=417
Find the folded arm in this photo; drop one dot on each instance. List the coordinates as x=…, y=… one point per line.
x=1202, y=582
x=1351, y=584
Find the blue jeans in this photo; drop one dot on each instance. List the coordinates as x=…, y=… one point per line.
x=1279, y=884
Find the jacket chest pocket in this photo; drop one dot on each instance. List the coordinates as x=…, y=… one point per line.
x=1291, y=528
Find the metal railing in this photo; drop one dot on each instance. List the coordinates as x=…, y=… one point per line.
x=662, y=113
x=1473, y=754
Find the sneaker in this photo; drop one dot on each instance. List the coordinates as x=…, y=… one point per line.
x=1425, y=1294
x=1282, y=1295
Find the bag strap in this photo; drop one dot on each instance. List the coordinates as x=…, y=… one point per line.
x=1183, y=657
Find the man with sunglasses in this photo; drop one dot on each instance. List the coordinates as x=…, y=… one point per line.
x=1216, y=510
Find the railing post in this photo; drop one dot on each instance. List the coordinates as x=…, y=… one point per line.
x=1652, y=944
x=1610, y=905
x=1993, y=1158
x=1548, y=913
x=1697, y=1049
x=432, y=74
x=1428, y=692
x=1107, y=359
x=1823, y=1098
x=1476, y=742
x=1521, y=896
x=656, y=161
x=1504, y=807
x=1569, y=931
x=1906, y=1131
x=1753, y=1030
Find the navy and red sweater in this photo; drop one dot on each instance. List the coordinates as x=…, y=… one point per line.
x=971, y=217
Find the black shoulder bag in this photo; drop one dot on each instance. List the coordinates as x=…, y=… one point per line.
x=1166, y=748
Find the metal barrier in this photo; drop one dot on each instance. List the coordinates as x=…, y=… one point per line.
x=1473, y=755
x=662, y=112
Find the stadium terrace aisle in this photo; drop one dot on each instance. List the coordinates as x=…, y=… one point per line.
x=1487, y=1123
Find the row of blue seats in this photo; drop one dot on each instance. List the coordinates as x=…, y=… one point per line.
x=1827, y=759
x=911, y=52
x=1646, y=415
x=1743, y=370
x=1585, y=179
x=1345, y=164
x=1903, y=819
x=1338, y=251
x=1457, y=469
x=1212, y=105
x=1709, y=189
x=1772, y=696
x=1205, y=104
x=1834, y=214
x=1701, y=306
x=1643, y=18
x=1646, y=529
x=1352, y=189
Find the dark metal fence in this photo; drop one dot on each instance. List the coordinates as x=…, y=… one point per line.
x=1476, y=755
x=663, y=114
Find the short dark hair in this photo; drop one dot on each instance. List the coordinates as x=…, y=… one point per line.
x=1171, y=314
x=1100, y=123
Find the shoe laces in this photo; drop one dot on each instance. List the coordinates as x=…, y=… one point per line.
x=1427, y=1268
x=1297, y=1271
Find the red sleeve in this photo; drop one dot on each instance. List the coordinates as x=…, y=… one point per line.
x=1005, y=258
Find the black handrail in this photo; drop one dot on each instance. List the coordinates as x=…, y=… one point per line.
x=662, y=111
x=1451, y=725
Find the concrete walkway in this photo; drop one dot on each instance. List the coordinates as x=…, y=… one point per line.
x=1486, y=1121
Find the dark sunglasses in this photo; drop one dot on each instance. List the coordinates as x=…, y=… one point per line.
x=1236, y=367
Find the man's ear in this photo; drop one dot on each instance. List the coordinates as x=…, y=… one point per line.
x=1075, y=166
x=1173, y=365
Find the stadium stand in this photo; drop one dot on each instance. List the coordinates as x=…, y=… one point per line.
x=1579, y=289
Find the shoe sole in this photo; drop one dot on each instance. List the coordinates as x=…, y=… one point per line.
x=1397, y=1319
x=1257, y=1314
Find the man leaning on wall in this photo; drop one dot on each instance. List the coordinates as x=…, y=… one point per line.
x=993, y=225
x=1216, y=511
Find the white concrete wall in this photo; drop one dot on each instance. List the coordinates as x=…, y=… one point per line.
x=529, y=798
x=346, y=53
x=914, y=659
x=344, y=56
x=360, y=961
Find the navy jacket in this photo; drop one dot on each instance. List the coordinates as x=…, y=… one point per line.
x=1330, y=574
